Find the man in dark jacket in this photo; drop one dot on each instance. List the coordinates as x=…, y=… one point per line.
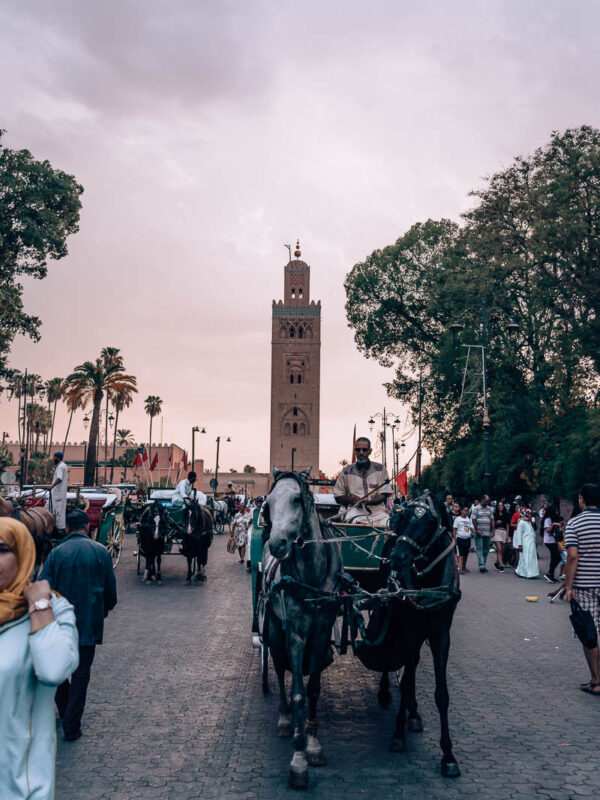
x=82, y=571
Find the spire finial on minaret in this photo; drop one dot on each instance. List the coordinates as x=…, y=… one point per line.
x=297, y=252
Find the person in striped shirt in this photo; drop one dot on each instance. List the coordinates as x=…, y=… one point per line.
x=582, y=540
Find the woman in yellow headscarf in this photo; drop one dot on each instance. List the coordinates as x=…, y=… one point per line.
x=38, y=651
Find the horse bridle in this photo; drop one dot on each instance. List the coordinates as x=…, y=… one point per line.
x=306, y=501
x=422, y=505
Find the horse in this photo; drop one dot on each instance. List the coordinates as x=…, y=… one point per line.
x=220, y=510
x=153, y=531
x=196, y=538
x=39, y=521
x=297, y=631
x=422, y=579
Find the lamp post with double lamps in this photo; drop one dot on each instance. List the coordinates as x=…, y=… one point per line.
x=484, y=316
x=195, y=430
x=215, y=481
x=385, y=417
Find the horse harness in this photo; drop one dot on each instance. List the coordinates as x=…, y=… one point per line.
x=18, y=511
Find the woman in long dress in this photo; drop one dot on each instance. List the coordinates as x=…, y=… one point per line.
x=524, y=539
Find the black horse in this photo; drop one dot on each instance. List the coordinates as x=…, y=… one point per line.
x=196, y=538
x=153, y=532
x=423, y=576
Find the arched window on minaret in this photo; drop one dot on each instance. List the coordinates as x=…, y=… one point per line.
x=299, y=293
x=294, y=294
x=287, y=428
x=300, y=333
x=295, y=411
x=292, y=332
x=299, y=379
x=295, y=427
x=291, y=378
x=302, y=429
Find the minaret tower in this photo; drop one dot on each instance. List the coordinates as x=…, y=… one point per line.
x=296, y=372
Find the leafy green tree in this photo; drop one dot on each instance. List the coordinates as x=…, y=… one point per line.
x=5, y=457
x=126, y=460
x=39, y=208
x=529, y=248
x=249, y=469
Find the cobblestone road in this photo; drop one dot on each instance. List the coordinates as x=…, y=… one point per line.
x=175, y=708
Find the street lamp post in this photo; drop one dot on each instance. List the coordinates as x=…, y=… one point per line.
x=384, y=419
x=510, y=326
x=195, y=430
x=216, y=478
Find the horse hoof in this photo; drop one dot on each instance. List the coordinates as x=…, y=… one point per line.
x=398, y=745
x=298, y=775
x=384, y=698
x=415, y=724
x=450, y=769
x=315, y=755
x=284, y=726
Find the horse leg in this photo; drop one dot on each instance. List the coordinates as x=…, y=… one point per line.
x=148, y=571
x=314, y=751
x=284, y=723
x=415, y=723
x=440, y=647
x=188, y=579
x=158, y=572
x=384, y=697
x=202, y=560
x=398, y=744
x=298, y=774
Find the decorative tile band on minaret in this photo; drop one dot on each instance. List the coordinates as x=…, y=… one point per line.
x=295, y=372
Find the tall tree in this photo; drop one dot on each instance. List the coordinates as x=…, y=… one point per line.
x=111, y=357
x=121, y=400
x=124, y=437
x=54, y=393
x=74, y=399
x=39, y=422
x=153, y=405
x=92, y=380
x=39, y=208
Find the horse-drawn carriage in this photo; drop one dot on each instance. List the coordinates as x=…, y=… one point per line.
x=103, y=505
x=168, y=528
x=384, y=592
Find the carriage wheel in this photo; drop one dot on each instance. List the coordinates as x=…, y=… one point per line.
x=114, y=541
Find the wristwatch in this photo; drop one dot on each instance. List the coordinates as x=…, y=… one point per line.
x=40, y=605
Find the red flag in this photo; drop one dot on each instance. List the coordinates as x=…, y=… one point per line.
x=145, y=456
x=171, y=456
x=185, y=461
x=154, y=462
x=138, y=460
x=402, y=482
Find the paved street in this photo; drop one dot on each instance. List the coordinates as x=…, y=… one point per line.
x=175, y=708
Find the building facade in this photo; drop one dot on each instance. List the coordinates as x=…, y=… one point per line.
x=295, y=373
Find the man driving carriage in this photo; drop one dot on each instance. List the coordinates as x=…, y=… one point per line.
x=358, y=480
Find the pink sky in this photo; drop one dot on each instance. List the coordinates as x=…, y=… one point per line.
x=209, y=134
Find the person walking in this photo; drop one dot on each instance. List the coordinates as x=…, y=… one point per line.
x=239, y=529
x=463, y=530
x=38, y=650
x=501, y=523
x=524, y=541
x=58, y=492
x=82, y=571
x=582, y=582
x=483, y=521
x=551, y=520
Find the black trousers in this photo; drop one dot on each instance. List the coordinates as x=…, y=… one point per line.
x=554, y=558
x=70, y=696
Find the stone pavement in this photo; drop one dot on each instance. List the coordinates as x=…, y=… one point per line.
x=175, y=707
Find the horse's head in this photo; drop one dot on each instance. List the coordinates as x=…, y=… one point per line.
x=155, y=520
x=417, y=528
x=287, y=511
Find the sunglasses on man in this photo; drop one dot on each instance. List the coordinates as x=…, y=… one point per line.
x=361, y=449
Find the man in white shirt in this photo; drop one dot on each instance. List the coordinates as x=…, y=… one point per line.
x=184, y=490
x=58, y=492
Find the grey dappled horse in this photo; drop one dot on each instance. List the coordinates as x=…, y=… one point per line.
x=297, y=632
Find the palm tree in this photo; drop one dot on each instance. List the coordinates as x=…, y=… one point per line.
x=54, y=392
x=16, y=384
x=153, y=405
x=124, y=437
x=73, y=401
x=121, y=399
x=92, y=380
x=111, y=357
x=39, y=422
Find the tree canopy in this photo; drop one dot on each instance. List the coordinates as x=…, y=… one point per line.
x=39, y=208
x=529, y=249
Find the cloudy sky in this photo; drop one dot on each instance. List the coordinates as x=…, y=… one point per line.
x=209, y=133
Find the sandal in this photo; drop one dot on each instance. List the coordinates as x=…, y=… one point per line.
x=590, y=688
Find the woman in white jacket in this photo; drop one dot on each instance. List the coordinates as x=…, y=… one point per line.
x=38, y=651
